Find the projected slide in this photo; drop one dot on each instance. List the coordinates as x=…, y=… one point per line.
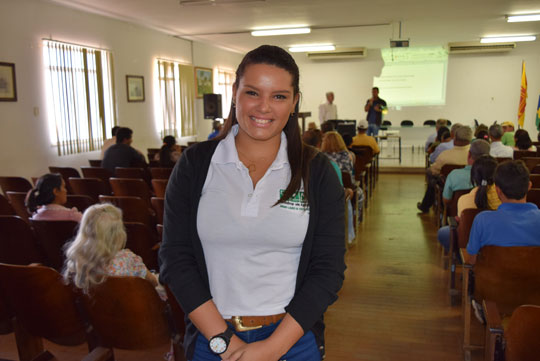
x=413, y=76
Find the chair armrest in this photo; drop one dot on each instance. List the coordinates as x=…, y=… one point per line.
x=99, y=354
x=493, y=317
x=462, y=256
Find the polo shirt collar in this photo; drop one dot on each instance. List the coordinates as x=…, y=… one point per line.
x=226, y=151
x=518, y=206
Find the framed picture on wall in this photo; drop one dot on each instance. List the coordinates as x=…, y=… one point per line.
x=204, y=81
x=8, y=85
x=135, y=88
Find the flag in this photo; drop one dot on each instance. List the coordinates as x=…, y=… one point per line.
x=538, y=115
x=522, y=96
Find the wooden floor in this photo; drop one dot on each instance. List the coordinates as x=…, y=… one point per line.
x=394, y=303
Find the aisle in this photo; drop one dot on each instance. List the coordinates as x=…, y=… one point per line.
x=394, y=304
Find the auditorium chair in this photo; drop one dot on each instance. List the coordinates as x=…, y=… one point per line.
x=14, y=184
x=5, y=319
x=127, y=313
x=363, y=170
x=508, y=276
x=159, y=186
x=144, y=242
x=91, y=187
x=158, y=204
x=430, y=123
x=127, y=172
x=52, y=236
x=386, y=123
x=535, y=180
x=531, y=162
x=536, y=170
x=131, y=187
x=519, y=340
x=18, y=244
x=407, y=123
x=438, y=205
x=347, y=183
x=134, y=209
x=44, y=308
x=94, y=162
x=66, y=173
x=16, y=199
x=160, y=173
x=519, y=154
x=533, y=196
x=5, y=207
x=97, y=172
x=450, y=209
x=81, y=202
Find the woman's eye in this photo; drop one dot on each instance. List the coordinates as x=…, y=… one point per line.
x=251, y=92
x=281, y=96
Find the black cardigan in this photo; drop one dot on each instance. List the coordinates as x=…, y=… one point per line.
x=321, y=269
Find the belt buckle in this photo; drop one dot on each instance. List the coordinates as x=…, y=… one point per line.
x=239, y=325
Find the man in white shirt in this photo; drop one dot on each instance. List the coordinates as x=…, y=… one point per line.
x=328, y=110
x=498, y=149
x=438, y=125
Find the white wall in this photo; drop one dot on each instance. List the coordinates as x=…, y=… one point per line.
x=485, y=87
x=24, y=141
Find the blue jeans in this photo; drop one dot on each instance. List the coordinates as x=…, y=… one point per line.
x=305, y=349
x=443, y=235
x=372, y=129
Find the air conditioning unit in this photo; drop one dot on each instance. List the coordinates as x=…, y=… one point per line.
x=475, y=47
x=215, y=2
x=339, y=53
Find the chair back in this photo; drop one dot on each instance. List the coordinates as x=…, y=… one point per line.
x=447, y=168
x=159, y=206
x=364, y=155
x=536, y=170
x=16, y=199
x=94, y=162
x=5, y=319
x=66, y=173
x=91, y=187
x=451, y=210
x=144, y=242
x=5, y=207
x=533, y=196
x=52, y=236
x=134, y=209
x=535, y=180
x=127, y=313
x=508, y=276
x=502, y=159
x=347, y=180
x=407, y=123
x=131, y=173
x=430, y=123
x=531, y=162
x=42, y=303
x=160, y=173
x=521, y=334
x=176, y=311
x=519, y=154
x=97, y=172
x=81, y=202
x=160, y=186
x=386, y=123
x=14, y=184
x=466, y=220
x=131, y=187
x=18, y=245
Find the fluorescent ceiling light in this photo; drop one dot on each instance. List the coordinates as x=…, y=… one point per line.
x=507, y=39
x=522, y=18
x=305, y=48
x=283, y=31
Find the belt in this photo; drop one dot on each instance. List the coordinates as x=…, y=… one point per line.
x=248, y=323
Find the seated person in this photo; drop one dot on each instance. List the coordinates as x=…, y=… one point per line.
x=109, y=142
x=327, y=127
x=98, y=250
x=443, y=137
x=46, y=201
x=122, y=154
x=348, y=139
x=515, y=222
x=523, y=141
x=169, y=153
x=482, y=196
x=431, y=139
x=498, y=149
x=335, y=149
x=508, y=133
x=362, y=139
x=216, y=128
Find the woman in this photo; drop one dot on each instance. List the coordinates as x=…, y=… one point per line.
x=169, y=153
x=482, y=196
x=523, y=141
x=335, y=149
x=46, y=201
x=254, y=226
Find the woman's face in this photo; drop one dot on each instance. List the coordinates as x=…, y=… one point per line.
x=60, y=194
x=264, y=101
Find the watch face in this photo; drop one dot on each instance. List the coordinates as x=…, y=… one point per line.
x=218, y=345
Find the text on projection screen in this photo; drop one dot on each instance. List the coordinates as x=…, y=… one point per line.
x=413, y=76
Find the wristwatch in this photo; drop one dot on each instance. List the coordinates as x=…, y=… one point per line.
x=220, y=343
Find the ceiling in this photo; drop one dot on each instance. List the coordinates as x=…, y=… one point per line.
x=345, y=23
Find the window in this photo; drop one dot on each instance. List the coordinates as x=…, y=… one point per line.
x=176, y=83
x=223, y=86
x=80, y=96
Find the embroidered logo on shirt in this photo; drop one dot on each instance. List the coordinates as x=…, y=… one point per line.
x=296, y=203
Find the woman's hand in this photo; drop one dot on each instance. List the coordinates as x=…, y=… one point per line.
x=348, y=193
x=235, y=345
x=256, y=351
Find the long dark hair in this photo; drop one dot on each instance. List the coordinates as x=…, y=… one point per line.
x=43, y=194
x=482, y=176
x=523, y=141
x=299, y=154
x=166, y=150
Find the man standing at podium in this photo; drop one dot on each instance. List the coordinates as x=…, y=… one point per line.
x=374, y=107
x=328, y=110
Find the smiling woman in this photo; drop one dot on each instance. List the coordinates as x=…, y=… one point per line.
x=253, y=243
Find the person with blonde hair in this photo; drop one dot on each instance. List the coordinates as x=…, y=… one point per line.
x=98, y=250
x=333, y=146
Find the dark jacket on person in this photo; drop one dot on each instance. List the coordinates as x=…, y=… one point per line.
x=122, y=155
x=321, y=268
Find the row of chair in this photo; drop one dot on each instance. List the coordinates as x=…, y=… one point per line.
x=410, y=123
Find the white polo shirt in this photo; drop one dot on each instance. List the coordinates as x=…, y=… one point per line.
x=252, y=249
